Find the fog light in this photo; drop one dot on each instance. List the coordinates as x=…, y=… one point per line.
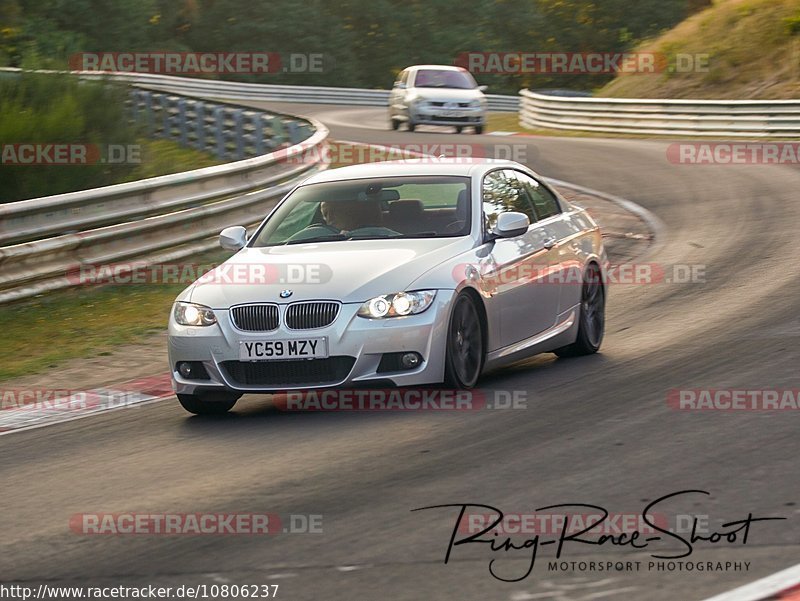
x=192, y=370
x=409, y=360
x=393, y=362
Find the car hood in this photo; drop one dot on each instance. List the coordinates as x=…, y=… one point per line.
x=447, y=94
x=348, y=271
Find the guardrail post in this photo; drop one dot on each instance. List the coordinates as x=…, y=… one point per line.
x=295, y=134
x=148, y=113
x=258, y=132
x=133, y=105
x=238, y=119
x=278, y=131
x=200, y=125
x=165, y=119
x=182, y=125
x=219, y=131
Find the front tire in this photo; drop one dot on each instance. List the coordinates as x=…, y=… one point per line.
x=479, y=129
x=593, y=316
x=395, y=124
x=464, y=356
x=198, y=405
x=459, y=129
x=411, y=125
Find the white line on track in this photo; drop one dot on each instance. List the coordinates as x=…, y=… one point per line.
x=23, y=409
x=72, y=418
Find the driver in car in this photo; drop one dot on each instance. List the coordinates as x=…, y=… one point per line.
x=349, y=215
x=345, y=219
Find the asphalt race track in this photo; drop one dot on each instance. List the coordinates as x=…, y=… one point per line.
x=596, y=430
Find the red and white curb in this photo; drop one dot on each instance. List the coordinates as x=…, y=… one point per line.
x=26, y=409
x=781, y=586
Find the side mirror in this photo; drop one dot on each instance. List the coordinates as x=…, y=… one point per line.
x=511, y=224
x=483, y=88
x=233, y=238
x=399, y=85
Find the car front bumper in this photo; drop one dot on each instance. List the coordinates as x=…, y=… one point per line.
x=437, y=116
x=356, y=342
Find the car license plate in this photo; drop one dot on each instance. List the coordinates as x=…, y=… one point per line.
x=270, y=350
x=451, y=113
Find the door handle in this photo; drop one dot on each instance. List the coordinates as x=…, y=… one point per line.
x=549, y=243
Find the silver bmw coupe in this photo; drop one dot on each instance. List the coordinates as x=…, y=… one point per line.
x=404, y=273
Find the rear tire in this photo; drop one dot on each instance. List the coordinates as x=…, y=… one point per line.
x=216, y=405
x=459, y=129
x=479, y=129
x=464, y=356
x=411, y=126
x=395, y=124
x=592, y=316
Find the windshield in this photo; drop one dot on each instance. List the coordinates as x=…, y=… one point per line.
x=436, y=78
x=371, y=209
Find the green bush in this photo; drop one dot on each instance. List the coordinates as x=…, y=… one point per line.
x=48, y=109
x=792, y=25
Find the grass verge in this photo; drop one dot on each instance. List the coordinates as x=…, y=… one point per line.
x=84, y=322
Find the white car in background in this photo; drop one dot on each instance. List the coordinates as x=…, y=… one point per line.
x=435, y=272
x=437, y=95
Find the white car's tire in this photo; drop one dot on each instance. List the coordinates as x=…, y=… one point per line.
x=464, y=354
x=592, y=316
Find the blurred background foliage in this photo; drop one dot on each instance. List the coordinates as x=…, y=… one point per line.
x=59, y=109
x=366, y=42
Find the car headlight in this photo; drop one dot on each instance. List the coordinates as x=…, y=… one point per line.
x=475, y=103
x=397, y=304
x=190, y=314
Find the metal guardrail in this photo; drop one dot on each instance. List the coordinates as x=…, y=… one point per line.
x=229, y=90
x=45, y=241
x=229, y=132
x=720, y=118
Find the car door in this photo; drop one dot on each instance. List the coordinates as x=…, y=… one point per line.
x=398, y=94
x=516, y=269
x=567, y=263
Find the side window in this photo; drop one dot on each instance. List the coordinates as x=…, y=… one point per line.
x=503, y=192
x=543, y=200
x=403, y=77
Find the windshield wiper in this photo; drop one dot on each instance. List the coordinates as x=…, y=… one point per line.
x=373, y=236
x=325, y=238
